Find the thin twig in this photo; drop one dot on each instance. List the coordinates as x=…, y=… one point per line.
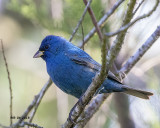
x=94, y=21
x=99, y=78
x=139, y=5
x=33, y=103
x=101, y=22
x=43, y=90
x=80, y=21
x=29, y=124
x=141, y=51
x=124, y=28
x=10, y=83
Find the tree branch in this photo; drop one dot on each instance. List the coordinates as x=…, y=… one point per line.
x=101, y=23
x=116, y=46
x=90, y=110
x=10, y=83
x=35, y=101
x=138, y=7
x=80, y=21
x=94, y=21
x=123, y=28
x=126, y=68
x=140, y=52
x=29, y=124
x=98, y=80
x=40, y=96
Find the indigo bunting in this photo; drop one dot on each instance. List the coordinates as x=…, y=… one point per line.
x=72, y=69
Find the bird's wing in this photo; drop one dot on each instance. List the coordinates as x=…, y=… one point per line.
x=82, y=58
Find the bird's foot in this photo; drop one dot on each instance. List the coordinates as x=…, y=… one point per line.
x=122, y=75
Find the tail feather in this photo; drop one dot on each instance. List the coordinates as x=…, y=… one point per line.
x=136, y=92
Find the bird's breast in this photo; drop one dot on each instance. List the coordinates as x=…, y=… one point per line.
x=70, y=77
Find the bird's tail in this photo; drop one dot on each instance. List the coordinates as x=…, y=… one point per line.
x=136, y=92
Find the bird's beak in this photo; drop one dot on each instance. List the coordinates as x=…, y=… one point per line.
x=38, y=54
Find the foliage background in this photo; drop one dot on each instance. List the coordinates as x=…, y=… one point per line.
x=23, y=25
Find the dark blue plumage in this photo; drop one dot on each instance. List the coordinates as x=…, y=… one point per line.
x=72, y=69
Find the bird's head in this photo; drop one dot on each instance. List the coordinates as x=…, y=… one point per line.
x=50, y=46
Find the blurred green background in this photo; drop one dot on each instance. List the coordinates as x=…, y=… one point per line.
x=23, y=25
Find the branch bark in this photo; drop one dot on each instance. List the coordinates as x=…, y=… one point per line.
x=90, y=110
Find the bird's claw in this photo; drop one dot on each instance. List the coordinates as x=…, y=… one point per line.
x=122, y=75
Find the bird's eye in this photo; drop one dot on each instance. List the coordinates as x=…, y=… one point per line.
x=46, y=47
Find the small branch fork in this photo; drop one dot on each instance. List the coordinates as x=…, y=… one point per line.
x=101, y=23
x=34, y=104
x=110, y=34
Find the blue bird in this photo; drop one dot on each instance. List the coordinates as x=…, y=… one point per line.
x=72, y=69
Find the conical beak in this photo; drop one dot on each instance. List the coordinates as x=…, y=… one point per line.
x=38, y=54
